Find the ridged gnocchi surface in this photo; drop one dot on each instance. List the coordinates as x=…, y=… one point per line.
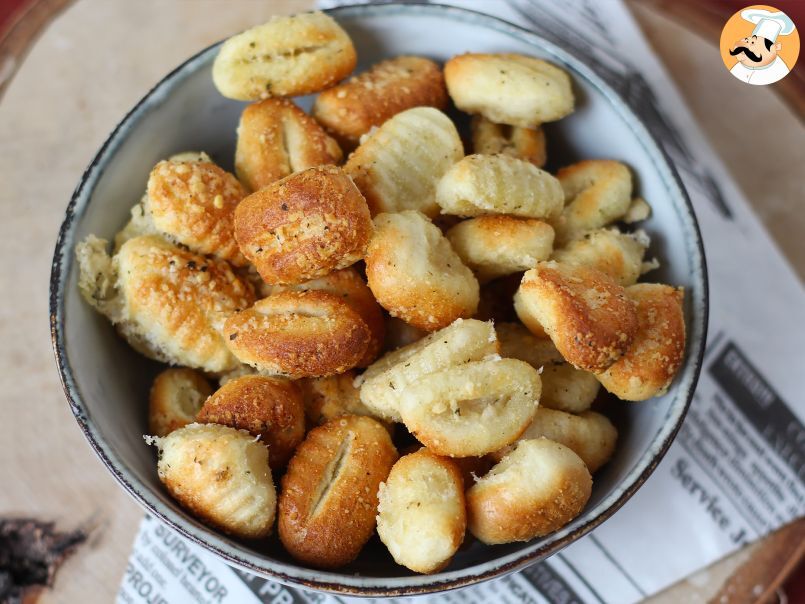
x=399, y=165
x=222, y=476
x=499, y=184
x=383, y=382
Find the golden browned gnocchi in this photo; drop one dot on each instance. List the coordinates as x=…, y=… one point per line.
x=398, y=166
x=277, y=138
x=563, y=386
x=192, y=203
x=566, y=388
x=304, y=226
x=334, y=396
x=493, y=246
x=168, y=303
x=328, y=503
x=141, y=222
x=348, y=285
x=589, y=317
x=352, y=108
x=597, y=193
x=415, y=274
x=404, y=249
x=383, y=382
x=534, y=490
x=176, y=396
x=527, y=317
x=221, y=475
x=517, y=342
x=651, y=362
x=471, y=409
x=589, y=435
x=619, y=255
x=269, y=408
x=421, y=517
x=509, y=88
x=287, y=56
x=499, y=184
x=527, y=144
x=299, y=334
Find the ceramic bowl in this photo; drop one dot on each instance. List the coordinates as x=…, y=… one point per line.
x=106, y=382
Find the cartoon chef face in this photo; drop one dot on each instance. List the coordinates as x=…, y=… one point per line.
x=755, y=51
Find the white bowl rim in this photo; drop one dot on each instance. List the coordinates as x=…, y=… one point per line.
x=346, y=584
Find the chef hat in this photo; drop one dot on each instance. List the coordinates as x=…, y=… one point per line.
x=769, y=24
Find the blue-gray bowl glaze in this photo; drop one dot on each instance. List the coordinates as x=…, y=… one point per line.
x=106, y=383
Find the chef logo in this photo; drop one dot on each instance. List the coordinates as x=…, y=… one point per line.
x=759, y=45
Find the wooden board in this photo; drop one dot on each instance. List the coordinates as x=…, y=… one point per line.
x=88, y=67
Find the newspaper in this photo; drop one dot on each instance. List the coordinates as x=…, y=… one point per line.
x=736, y=470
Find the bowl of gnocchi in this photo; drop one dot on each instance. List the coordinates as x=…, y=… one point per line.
x=382, y=300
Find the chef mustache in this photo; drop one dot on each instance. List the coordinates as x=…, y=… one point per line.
x=743, y=49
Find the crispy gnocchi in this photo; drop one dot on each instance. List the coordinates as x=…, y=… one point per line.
x=421, y=515
x=141, y=222
x=287, y=56
x=303, y=226
x=221, y=475
x=416, y=275
x=176, y=396
x=192, y=203
x=348, y=285
x=597, y=193
x=493, y=246
x=588, y=316
x=499, y=184
x=534, y=490
x=619, y=255
x=168, y=303
x=266, y=407
x=298, y=334
x=649, y=365
x=478, y=300
x=509, y=88
x=563, y=386
x=398, y=166
x=277, y=138
x=566, y=388
x=473, y=409
x=335, y=396
x=517, y=342
x=589, y=435
x=328, y=501
x=349, y=110
x=527, y=144
x=526, y=315
x=383, y=382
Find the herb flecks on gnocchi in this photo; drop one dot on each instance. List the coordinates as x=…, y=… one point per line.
x=473, y=309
